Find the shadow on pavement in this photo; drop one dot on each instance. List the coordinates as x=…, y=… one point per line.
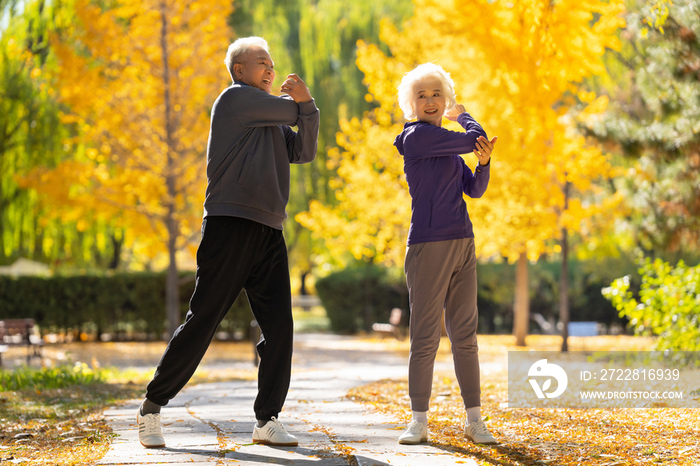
x=312, y=456
x=514, y=456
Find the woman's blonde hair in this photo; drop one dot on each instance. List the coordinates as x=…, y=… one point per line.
x=240, y=47
x=420, y=72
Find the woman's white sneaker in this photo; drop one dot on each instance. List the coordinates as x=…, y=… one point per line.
x=477, y=432
x=274, y=433
x=150, y=435
x=416, y=433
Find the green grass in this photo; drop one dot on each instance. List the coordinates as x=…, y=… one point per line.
x=55, y=414
x=24, y=378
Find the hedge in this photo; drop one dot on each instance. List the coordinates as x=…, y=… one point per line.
x=133, y=305
x=357, y=297
x=360, y=295
x=124, y=305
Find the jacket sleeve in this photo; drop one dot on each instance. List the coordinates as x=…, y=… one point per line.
x=254, y=108
x=302, y=145
x=433, y=141
x=474, y=185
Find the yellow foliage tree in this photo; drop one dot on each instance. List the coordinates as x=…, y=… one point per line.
x=517, y=65
x=373, y=204
x=139, y=79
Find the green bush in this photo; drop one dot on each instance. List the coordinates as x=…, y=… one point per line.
x=359, y=296
x=125, y=305
x=668, y=305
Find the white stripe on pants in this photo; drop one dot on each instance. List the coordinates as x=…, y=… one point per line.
x=441, y=276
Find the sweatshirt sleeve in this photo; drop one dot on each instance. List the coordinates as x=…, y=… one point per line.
x=434, y=141
x=254, y=108
x=302, y=145
x=474, y=184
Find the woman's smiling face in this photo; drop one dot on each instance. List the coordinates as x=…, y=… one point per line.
x=429, y=100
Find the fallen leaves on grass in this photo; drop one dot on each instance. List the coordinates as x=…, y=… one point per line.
x=59, y=427
x=532, y=437
x=65, y=426
x=549, y=436
x=498, y=345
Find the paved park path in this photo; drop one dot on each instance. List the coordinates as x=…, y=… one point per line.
x=212, y=423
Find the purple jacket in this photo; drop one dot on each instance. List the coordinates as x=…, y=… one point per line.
x=437, y=177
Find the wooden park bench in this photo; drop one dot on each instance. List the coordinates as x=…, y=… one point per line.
x=392, y=328
x=18, y=332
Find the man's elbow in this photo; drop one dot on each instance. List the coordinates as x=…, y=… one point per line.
x=306, y=156
x=312, y=153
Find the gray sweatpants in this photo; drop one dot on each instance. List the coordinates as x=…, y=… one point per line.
x=441, y=276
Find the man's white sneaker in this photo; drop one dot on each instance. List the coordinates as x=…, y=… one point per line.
x=416, y=433
x=274, y=433
x=150, y=435
x=477, y=432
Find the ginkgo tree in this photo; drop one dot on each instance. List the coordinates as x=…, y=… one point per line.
x=518, y=65
x=138, y=78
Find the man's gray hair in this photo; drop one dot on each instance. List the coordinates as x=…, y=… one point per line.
x=239, y=48
x=420, y=72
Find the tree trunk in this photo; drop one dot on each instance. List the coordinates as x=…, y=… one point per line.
x=369, y=308
x=521, y=308
x=564, y=279
x=116, y=252
x=172, y=284
x=302, y=288
x=564, y=291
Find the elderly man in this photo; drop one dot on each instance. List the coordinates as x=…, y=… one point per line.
x=250, y=148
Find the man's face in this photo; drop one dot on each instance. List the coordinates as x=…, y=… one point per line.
x=429, y=100
x=256, y=69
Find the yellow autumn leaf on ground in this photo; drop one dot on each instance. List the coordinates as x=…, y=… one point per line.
x=531, y=437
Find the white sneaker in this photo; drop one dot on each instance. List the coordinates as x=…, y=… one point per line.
x=274, y=433
x=150, y=435
x=477, y=432
x=416, y=433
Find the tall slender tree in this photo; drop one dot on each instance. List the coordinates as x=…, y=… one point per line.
x=139, y=78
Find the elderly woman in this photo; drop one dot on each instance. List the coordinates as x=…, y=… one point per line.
x=440, y=261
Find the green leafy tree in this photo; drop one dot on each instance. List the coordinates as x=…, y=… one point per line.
x=653, y=120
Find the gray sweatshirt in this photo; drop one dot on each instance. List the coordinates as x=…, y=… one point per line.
x=250, y=148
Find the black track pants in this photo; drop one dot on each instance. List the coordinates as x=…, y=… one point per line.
x=235, y=253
